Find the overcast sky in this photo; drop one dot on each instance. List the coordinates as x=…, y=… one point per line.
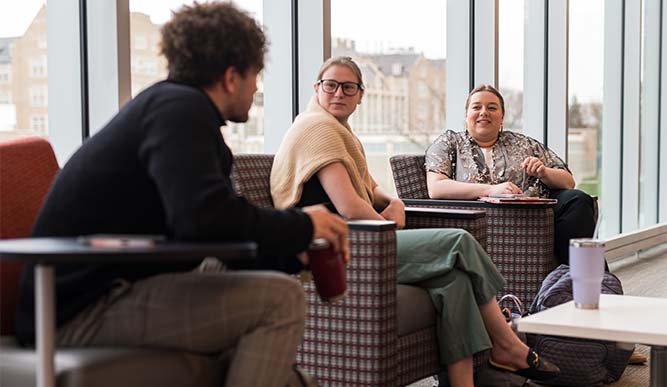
x=378, y=25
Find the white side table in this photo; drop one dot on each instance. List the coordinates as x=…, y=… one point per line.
x=620, y=318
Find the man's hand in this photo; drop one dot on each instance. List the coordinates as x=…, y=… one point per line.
x=534, y=167
x=504, y=188
x=330, y=227
x=395, y=212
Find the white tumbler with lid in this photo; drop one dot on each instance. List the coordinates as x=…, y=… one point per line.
x=586, y=269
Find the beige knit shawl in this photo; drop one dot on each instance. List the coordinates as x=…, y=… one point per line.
x=315, y=140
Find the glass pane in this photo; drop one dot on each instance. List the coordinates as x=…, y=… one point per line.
x=23, y=70
x=148, y=66
x=510, y=61
x=585, y=93
x=403, y=108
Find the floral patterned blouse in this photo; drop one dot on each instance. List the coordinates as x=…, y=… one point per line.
x=458, y=156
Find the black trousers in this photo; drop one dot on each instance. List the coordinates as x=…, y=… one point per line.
x=574, y=217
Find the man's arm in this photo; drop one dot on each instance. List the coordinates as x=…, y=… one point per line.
x=184, y=154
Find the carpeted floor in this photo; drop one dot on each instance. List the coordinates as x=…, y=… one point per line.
x=641, y=277
x=645, y=276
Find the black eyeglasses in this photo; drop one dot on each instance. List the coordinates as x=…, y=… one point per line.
x=330, y=86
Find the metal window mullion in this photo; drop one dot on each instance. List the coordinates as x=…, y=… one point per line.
x=64, y=81
x=459, y=61
x=485, y=42
x=534, y=70
x=109, y=83
x=650, y=115
x=278, y=73
x=557, y=53
x=612, y=118
x=631, y=116
x=295, y=29
x=83, y=55
x=662, y=150
x=314, y=45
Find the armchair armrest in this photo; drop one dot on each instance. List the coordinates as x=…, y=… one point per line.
x=473, y=221
x=520, y=240
x=358, y=335
x=371, y=225
x=471, y=204
x=443, y=213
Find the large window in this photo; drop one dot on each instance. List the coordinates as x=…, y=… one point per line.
x=586, y=43
x=510, y=61
x=402, y=58
x=148, y=66
x=23, y=70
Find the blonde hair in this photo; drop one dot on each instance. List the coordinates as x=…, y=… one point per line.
x=344, y=61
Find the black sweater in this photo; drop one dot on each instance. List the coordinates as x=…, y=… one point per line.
x=160, y=166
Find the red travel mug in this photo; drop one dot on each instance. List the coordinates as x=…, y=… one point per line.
x=328, y=271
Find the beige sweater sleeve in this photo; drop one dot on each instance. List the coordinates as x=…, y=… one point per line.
x=315, y=140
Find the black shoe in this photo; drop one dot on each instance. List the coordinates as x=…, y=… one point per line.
x=538, y=369
x=300, y=378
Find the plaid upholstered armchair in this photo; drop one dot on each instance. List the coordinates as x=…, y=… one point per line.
x=520, y=237
x=383, y=334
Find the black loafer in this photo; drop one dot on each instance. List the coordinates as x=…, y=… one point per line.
x=538, y=369
x=301, y=379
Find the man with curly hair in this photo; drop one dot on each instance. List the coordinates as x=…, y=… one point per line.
x=161, y=166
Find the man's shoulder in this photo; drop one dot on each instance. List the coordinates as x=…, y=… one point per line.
x=171, y=90
x=169, y=99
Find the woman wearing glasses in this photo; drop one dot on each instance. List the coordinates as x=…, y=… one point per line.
x=321, y=160
x=484, y=159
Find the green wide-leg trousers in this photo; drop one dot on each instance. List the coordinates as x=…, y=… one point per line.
x=459, y=276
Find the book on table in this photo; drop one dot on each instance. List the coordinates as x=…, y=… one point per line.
x=516, y=199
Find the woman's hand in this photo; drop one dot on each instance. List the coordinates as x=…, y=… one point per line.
x=395, y=212
x=534, y=167
x=552, y=177
x=504, y=188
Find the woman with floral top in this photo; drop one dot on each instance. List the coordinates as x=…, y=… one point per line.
x=485, y=160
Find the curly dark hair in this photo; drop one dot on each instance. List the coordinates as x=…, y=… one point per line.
x=202, y=40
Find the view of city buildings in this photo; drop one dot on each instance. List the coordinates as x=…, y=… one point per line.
x=23, y=82
x=403, y=107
